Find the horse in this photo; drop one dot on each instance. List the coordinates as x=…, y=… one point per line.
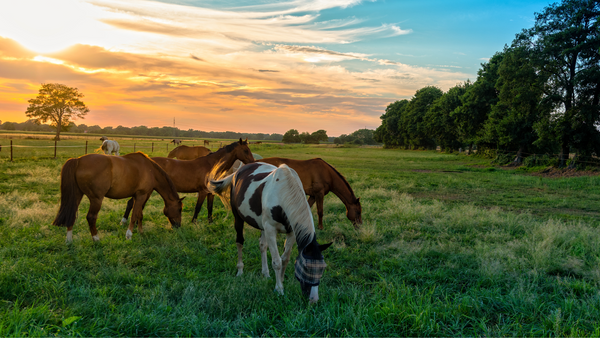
x=103, y=138
x=272, y=200
x=176, y=141
x=188, y=153
x=206, y=142
x=97, y=176
x=109, y=147
x=318, y=179
x=191, y=176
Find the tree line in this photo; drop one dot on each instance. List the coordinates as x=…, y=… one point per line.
x=538, y=95
x=32, y=125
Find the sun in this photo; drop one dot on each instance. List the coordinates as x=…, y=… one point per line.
x=45, y=26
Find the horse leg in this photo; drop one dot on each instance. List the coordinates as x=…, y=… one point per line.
x=137, y=216
x=209, y=206
x=239, y=229
x=287, y=252
x=319, y=199
x=70, y=226
x=271, y=237
x=263, y=254
x=92, y=216
x=127, y=211
x=201, y=197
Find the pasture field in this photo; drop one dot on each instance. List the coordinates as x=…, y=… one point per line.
x=450, y=246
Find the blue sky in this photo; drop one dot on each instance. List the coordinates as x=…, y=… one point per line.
x=248, y=66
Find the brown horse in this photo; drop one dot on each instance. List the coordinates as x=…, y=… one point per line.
x=191, y=176
x=318, y=179
x=206, y=142
x=188, y=153
x=97, y=176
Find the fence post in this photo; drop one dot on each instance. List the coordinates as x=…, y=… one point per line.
x=86, y=147
x=152, y=147
x=55, y=148
x=11, y=151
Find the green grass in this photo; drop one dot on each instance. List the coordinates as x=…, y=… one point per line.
x=450, y=246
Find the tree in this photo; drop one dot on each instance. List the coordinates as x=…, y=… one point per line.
x=564, y=42
x=57, y=103
x=440, y=123
x=319, y=135
x=388, y=133
x=414, y=122
x=291, y=136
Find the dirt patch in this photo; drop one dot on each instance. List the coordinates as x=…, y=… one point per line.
x=560, y=173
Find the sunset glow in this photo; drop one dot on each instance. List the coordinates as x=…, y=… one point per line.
x=267, y=67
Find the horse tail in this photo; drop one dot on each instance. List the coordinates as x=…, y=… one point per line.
x=70, y=195
x=221, y=188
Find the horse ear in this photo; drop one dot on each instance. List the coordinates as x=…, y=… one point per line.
x=324, y=247
x=240, y=141
x=181, y=199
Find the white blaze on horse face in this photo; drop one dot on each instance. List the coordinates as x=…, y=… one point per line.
x=314, y=294
x=69, y=236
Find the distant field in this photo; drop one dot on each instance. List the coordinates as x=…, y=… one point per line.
x=450, y=246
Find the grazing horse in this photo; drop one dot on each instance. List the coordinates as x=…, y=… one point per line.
x=176, y=141
x=109, y=147
x=97, y=176
x=318, y=179
x=192, y=176
x=272, y=200
x=206, y=142
x=103, y=138
x=188, y=153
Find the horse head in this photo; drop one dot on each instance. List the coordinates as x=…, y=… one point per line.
x=243, y=153
x=173, y=212
x=354, y=213
x=309, y=267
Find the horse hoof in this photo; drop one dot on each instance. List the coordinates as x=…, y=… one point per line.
x=124, y=221
x=128, y=234
x=280, y=292
x=96, y=238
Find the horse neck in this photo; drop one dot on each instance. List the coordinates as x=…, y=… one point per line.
x=341, y=188
x=165, y=188
x=227, y=159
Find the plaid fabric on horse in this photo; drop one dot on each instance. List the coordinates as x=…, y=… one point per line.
x=309, y=270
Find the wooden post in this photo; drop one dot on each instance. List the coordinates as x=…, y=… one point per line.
x=11, y=151
x=55, y=148
x=86, y=147
x=152, y=147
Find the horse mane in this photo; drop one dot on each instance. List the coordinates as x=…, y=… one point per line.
x=340, y=176
x=293, y=201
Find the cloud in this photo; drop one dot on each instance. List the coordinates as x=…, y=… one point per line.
x=11, y=48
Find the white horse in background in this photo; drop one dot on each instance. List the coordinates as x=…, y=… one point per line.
x=109, y=147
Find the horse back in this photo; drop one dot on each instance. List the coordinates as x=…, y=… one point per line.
x=315, y=174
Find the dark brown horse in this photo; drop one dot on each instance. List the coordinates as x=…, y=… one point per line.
x=97, y=176
x=206, y=142
x=188, y=153
x=191, y=176
x=318, y=179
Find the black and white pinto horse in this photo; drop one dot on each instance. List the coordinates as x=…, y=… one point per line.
x=272, y=200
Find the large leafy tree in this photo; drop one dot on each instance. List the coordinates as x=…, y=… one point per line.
x=521, y=103
x=440, y=122
x=414, y=123
x=291, y=136
x=388, y=133
x=565, y=41
x=58, y=104
x=477, y=104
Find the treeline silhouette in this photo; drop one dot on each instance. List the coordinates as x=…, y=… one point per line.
x=30, y=125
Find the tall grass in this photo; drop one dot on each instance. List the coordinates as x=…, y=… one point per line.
x=446, y=249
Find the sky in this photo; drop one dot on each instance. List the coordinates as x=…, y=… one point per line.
x=252, y=66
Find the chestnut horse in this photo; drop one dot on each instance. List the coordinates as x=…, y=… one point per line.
x=206, y=142
x=97, y=176
x=191, y=176
x=188, y=153
x=272, y=200
x=318, y=179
